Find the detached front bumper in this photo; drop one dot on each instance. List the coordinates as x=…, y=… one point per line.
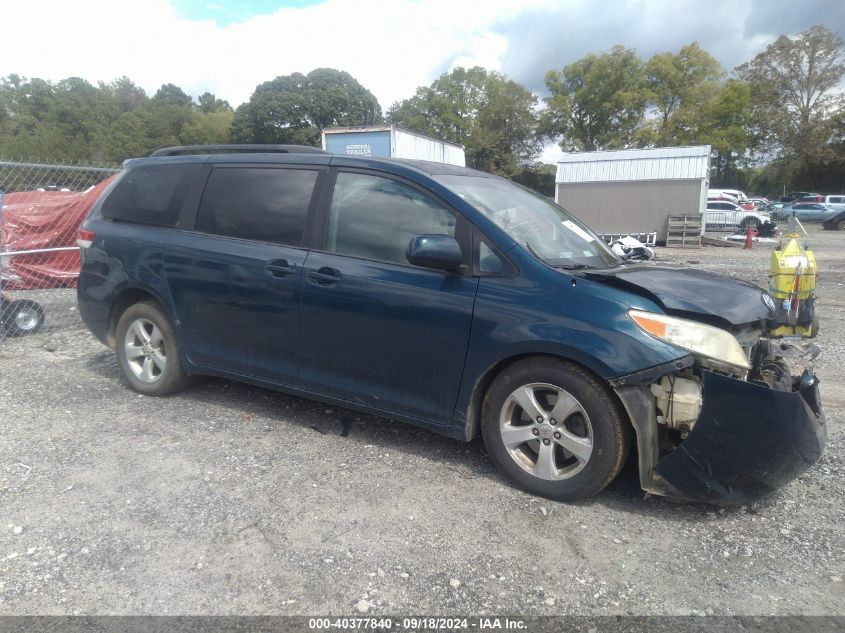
x=748, y=441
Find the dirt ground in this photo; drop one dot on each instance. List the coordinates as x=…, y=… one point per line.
x=228, y=499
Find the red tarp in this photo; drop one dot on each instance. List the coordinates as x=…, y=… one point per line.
x=43, y=219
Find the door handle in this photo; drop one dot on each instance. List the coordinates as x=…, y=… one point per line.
x=280, y=268
x=324, y=276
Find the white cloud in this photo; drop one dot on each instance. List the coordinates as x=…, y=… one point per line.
x=391, y=47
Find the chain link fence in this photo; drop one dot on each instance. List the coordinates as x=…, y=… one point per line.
x=41, y=208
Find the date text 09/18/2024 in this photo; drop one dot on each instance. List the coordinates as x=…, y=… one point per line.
x=417, y=624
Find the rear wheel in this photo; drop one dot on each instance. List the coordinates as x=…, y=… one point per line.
x=553, y=429
x=841, y=225
x=148, y=351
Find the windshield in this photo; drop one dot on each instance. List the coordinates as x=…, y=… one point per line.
x=544, y=228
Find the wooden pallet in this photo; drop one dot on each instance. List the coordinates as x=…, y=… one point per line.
x=714, y=241
x=683, y=230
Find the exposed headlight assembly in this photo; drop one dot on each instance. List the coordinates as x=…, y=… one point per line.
x=712, y=346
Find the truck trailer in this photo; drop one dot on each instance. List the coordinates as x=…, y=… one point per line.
x=390, y=141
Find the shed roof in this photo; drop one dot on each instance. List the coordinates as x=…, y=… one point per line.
x=665, y=163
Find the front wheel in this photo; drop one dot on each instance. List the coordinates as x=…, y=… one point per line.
x=554, y=429
x=148, y=351
x=840, y=225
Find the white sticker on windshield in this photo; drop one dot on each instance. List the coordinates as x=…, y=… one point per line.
x=578, y=231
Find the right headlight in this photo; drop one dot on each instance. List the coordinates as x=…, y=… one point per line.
x=708, y=342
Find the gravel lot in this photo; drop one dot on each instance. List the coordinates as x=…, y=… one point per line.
x=229, y=499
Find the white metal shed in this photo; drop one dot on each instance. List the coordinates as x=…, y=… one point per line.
x=634, y=191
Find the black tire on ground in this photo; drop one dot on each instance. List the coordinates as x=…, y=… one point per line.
x=22, y=317
x=754, y=223
x=599, y=419
x=767, y=229
x=159, y=351
x=841, y=225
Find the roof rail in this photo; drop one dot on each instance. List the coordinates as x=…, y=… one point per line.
x=250, y=148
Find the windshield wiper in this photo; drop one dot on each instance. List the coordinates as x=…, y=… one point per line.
x=572, y=266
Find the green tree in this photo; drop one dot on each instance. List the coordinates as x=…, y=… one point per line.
x=795, y=103
x=128, y=136
x=672, y=82
x=505, y=137
x=74, y=121
x=721, y=120
x=172, y=95
x=540, y=178
x=46, y=121
x=208, y=103
x=26, y=106
x=124, y=95
x=492, y=116
x=597, y=102
x=447, y=109
x=77, y=112
x=166, y=114
x=212, y=128
x=296, y=108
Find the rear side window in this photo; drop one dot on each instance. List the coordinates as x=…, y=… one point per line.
x=720, y=206
x=255, y=203
x=151, y=194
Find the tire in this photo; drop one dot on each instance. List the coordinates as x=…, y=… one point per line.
x=23, y=317
x=148, y=351
x=593, y=426
x=754, y=223
x=840, y=226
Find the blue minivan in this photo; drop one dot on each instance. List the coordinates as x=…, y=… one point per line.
x=451, y=299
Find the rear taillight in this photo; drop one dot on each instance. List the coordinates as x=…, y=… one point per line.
x=85, y=238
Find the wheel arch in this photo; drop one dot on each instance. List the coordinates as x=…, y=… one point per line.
x=124, y=299
x=482, y=385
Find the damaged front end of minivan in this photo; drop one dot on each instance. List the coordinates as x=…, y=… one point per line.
x=737, y=418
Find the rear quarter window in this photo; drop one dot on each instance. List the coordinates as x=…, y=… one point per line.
x=151, y=194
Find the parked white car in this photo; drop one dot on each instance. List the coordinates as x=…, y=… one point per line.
x=735, y=194
x=722, y=214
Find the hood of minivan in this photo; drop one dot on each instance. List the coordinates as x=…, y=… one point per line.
x=693, y=292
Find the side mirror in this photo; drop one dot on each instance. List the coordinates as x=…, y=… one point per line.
x=435, y=251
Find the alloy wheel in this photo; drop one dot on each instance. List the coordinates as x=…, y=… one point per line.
x=546, y=431
x=145, y=350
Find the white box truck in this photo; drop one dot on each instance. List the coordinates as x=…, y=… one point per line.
x=390, y=141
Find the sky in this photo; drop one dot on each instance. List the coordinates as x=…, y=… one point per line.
x=391, y=46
